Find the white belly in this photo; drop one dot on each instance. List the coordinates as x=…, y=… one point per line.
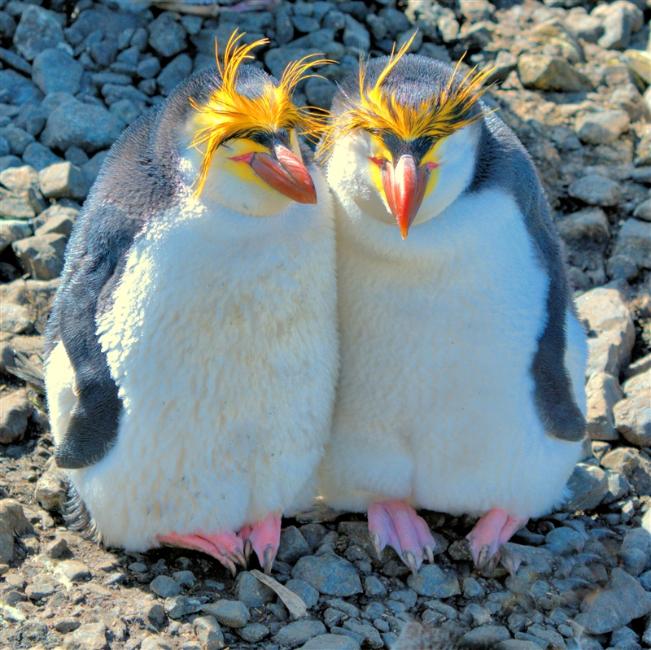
x=224, y=350
x=435, y=402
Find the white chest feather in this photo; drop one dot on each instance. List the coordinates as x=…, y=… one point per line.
x=222, y=340
x=435, y=402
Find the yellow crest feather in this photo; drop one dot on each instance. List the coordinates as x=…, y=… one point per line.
x=377, y=110
x=228, y=112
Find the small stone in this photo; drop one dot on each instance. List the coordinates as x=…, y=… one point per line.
x=595, y=189
x=433, y=581
x=602, y=127
x=564, y=540
x=176, y=71
x=63, y=180
x=643, y=210
x=51, y=490
x=356, y=36
x=15, y=410
x=156, y=643
x=42, y=586
x=39, y=156
x=306, y=591
x=12, y=522
x=185, y=578
x=329, y=574
x=19, y=179
x=54, y=70
x=180, y=606
x=166, y=35
x=57, y=219
x=66, y=625
x=485, y=636
x=37, y=30
x=17, y=139
x=320, y=92
x=612, y=333
x=208, y=632
x=373, y=586
x=603, y=392
x=91, y=636
x=88, y=126
x=633, y=417
x=635, y=550
x=634, y=242
x=15, y=319
x=156, y=615
x=292, y=545
x=231, y=613
x=619, y=20
x=251, y=591
x=164, y=586
x=148, y=68
x=629, y=462
x=41, y=257
x=621, y=601
x=549, y=73
x=74, y=570
x=299, y=632
x=253, y=632
x=331, y=642
x=16, y=89
x=587, y=486
x=58, y=548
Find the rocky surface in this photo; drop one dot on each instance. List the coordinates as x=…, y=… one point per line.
x=572, y=78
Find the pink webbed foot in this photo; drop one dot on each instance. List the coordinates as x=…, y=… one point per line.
x=227, y=548
x=488, y=536
x=396, y=524
x=262, y=537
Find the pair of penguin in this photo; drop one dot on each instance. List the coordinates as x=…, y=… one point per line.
x=206, y=374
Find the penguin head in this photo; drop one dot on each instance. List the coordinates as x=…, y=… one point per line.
x=242, y=136
x=403, y=136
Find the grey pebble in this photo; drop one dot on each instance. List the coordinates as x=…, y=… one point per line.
x=231, y=613
x=54, y=70
x=595, y=189
x=208, y=632
x=37, y=30
x=306, y=591
x=433, y=581
x=298, y=632
x=253, y=632
x=41, y=256
x=164, y=586
x=329, y=574
x=485, y=636
x=166, y=35
x=176, y=71
x=331, y=642
x=250, y=591
x=292, y=545
x=39, y=156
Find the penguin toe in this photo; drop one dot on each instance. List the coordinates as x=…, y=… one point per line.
x=263, y=538
x=227, y=548
x=396, y=524
x=488, y=537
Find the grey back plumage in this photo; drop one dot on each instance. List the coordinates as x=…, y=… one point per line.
x=138, y=180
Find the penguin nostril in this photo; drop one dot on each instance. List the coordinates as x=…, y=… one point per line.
x=378, y=160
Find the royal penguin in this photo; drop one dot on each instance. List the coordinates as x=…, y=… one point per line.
x=192, y=348
x=461, y=385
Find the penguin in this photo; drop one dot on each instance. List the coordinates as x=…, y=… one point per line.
x=462, y=360
x=192, y=348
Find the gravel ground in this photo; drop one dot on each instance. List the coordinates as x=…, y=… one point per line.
x=573, y=79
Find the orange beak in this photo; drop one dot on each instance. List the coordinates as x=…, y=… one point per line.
x=404, y=187
x=284, y=171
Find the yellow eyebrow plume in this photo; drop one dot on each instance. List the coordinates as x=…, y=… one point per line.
x=227, y=112
x=378, y=110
